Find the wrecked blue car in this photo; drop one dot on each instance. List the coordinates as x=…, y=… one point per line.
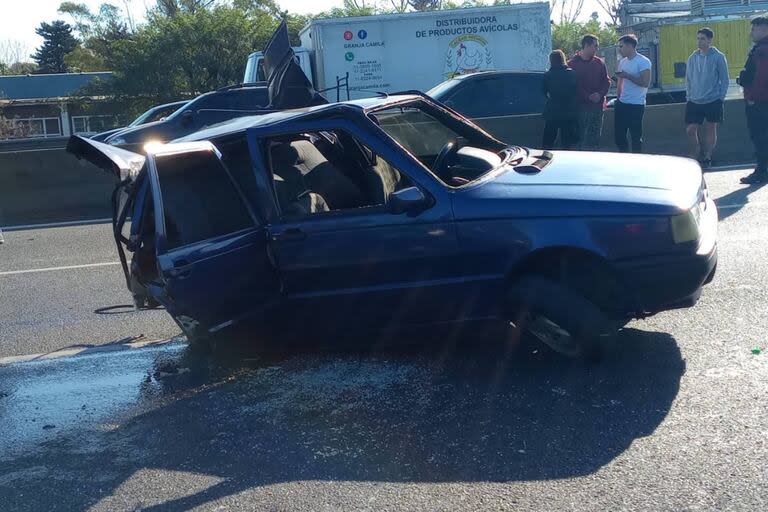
x=397, y=211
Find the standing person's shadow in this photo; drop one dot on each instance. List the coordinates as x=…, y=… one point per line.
x=458, y=412
x=734, y=201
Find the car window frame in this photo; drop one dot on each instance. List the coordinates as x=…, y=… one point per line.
x=343, y=213
x=362, y=129
x=467, y=84
x=186, y=148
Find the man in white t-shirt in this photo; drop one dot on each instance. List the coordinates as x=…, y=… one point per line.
x=634, y=76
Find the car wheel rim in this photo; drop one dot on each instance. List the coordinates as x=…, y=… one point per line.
x=554, y=336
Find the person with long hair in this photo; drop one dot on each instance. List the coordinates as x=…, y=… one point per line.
x=562, y=110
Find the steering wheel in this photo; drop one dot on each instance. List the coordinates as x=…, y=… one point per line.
x=446, y=154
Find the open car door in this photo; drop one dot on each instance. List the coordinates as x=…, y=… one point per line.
x=212, y=261
x=288, y=86
x=198, y=249
x=129, y=199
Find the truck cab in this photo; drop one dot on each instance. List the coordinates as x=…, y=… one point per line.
x=254, y=69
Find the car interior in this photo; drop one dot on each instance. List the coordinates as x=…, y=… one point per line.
x=329, y=171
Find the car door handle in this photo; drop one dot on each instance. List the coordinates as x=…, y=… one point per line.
x=181, y=269
x=290, y=235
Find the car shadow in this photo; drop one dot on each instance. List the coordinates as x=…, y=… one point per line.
x=455, y=410
x=734, y=201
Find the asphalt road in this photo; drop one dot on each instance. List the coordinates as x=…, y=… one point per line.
x=53, y=280
x=673, y=419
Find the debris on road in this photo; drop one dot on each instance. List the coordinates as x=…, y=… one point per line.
x=48, y=427
x=756, y=351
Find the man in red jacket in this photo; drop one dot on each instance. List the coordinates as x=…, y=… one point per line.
x=593, y=83
x=754, y=79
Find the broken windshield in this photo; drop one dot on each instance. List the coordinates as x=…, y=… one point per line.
x=456, y=151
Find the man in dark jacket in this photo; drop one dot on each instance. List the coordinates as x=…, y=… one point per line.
x=754, y=79
x=562, y=111
x=593, y=82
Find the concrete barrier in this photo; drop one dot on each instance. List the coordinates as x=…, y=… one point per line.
x=664, y=132
x=40, y=182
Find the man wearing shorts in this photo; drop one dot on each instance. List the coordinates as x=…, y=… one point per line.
x=706, y=85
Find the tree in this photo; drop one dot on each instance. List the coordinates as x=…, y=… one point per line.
x=426, y=5
x=351, y=8
x=567, y=35
x=183, y=55
x=84, y=60
x=22, y=68
x=99, y=32
x=612, y=8
x=174, y=7
x=57, y=42
x=13, y=51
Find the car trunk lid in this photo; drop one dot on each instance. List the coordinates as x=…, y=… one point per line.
x=120, y=163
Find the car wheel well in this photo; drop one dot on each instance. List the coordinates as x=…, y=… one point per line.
x=581, y=270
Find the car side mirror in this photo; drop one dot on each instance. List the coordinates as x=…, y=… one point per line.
x=406, y=200
x=187, y=116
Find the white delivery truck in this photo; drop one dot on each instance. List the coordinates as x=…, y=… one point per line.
x=418, y=50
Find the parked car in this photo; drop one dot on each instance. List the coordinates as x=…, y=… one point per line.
x=493, y=93
x=157, y=113
x=205, y=110
x=390, y=212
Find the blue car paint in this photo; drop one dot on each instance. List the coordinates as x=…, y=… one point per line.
x=448, y=262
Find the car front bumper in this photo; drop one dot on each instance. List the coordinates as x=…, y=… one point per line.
x=668, y=283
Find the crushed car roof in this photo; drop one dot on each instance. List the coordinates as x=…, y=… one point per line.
x=244, y=123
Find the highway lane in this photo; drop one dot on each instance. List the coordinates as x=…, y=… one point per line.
x=52, y=280
x=673, y=419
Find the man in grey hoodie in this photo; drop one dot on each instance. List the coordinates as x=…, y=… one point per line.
x=706, y=85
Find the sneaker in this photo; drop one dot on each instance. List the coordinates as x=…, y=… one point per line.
x=755, y=178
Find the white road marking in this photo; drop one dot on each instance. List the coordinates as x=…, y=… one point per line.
x=55, y=224
x=54, y=269
x=63, y=148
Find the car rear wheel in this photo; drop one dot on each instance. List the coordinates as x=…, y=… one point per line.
x=559, y=317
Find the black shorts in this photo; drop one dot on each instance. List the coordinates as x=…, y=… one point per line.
x=696, y=113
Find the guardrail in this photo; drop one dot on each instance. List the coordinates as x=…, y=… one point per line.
x=664, y=132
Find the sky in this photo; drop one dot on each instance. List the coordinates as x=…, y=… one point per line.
x=20, y=18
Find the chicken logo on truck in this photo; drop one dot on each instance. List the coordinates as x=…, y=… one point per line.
x=467, y=54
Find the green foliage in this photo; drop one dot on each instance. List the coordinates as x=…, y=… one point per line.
x=84, y=60
x=57, y=42
x=567, y=35
x=22, y=68
x=186, y=54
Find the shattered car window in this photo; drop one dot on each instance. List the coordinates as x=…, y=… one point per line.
x=455, y=151
x=417, y=131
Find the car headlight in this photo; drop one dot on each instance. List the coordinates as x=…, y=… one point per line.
x=685, y=227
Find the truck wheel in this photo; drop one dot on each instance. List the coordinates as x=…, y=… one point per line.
x=560, y=318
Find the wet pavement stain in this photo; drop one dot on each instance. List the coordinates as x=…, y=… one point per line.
x=42, y=399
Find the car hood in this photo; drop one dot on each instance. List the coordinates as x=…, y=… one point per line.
x=588, y=184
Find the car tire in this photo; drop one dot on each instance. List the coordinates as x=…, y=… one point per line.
x=559, y=317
